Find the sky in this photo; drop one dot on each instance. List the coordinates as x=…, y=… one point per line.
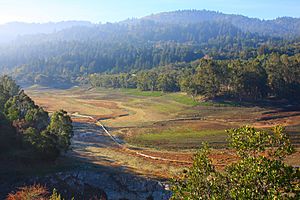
x=116, y=10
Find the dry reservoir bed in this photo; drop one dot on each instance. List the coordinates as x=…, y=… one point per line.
x=171, y=126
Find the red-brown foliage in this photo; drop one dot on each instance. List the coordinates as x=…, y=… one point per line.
x=35, y=192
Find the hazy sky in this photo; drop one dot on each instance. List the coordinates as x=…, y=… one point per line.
x=116, y=10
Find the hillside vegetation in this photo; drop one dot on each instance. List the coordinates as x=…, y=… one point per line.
x=65, y=57
x=265, y=76
x=29, y=133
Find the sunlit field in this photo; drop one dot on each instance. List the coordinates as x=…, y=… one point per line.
x=165, y=125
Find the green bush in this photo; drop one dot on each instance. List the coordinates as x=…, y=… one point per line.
x=41, y=136
x=260, y=172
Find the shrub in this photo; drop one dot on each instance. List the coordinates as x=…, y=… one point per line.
x=260, y=172
x=35, y=192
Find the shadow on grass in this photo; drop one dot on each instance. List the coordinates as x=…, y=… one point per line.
x=284, y=105
x=278, y=117
x=72, y=173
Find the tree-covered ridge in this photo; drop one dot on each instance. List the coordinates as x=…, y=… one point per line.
x=272, y=75
x=29, y=127
x=122, y=47
x=134, y=45
x=283, y=26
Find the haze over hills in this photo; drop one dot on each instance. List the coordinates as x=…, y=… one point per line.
x=283, y=26
x=11, y=31
x=71, y=49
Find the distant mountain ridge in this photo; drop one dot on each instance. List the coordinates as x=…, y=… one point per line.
x=10, y=31
x=279, y=27
x=282, y=26
x=71, y=49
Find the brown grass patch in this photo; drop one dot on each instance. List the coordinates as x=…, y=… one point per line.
x=99, y=103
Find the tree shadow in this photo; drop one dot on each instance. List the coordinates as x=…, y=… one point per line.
x=267, y=118
x=270, y=103
x=74, y=175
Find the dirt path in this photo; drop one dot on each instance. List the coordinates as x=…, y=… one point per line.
x=104, y=137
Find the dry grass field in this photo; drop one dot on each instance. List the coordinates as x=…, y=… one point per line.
x=164, y=125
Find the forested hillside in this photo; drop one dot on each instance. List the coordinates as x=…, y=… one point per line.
x=280, y=27
x=68, y=56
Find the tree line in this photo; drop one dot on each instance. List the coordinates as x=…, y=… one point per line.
x=28, y=127
x=265, y=76
x=116, y=48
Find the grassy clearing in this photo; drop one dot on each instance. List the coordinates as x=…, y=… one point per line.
x=143, y=108
x=177, y=138
x=220, y=104
x=137, y=92
x=182, y=99
x=147, y=120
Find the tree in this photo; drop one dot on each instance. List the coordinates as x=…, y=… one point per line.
x=202, y=181
x=147, y=80
x=208, y=78
x=37, y=118
x=167, y=82
x=53, y=140
x=61, y=129
x=17, y=106
x=9, y=85
x=8, y=89
x=259, y=173
x=283, y=76
x=27, y=125
x=7, y=134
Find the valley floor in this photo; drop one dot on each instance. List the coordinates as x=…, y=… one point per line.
x=159, y=132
